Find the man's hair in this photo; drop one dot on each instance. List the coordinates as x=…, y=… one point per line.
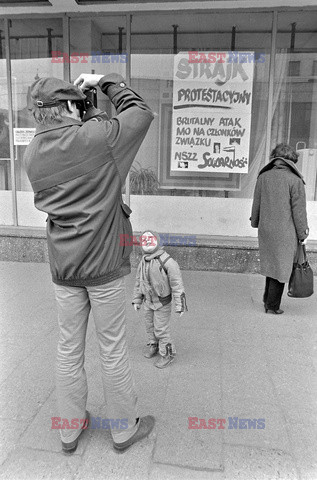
x=285, y=151
x=50, y=115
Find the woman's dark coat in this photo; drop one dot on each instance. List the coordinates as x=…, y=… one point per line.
x=279, y=212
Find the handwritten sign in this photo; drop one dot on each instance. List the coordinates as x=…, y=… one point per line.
x=23, y=136
x=212, y=99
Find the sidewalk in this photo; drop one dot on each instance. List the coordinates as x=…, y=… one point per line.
x=233, y=360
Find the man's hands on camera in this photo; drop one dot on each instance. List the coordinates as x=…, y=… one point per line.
x=87, y=80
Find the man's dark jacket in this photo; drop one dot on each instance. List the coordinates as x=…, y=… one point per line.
x=77, y=171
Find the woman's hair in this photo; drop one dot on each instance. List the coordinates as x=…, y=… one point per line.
x=50, y=115
x=285, y=151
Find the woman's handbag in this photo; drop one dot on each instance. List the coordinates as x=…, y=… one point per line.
x=301, y=283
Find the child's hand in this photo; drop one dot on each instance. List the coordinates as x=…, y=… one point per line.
x=136, y=307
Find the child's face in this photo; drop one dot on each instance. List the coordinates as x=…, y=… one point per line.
x=149, y=242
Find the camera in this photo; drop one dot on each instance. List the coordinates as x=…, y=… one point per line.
x=91, y=98
x=88, y=106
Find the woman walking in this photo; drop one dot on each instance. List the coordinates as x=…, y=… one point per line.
x=279, y=212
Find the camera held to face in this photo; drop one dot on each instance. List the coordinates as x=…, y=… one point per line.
x=88, y=106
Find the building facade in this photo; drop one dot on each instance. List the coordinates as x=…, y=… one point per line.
x=227, y=81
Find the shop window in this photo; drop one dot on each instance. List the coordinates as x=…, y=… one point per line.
x=295, y=94
x=293, y=69
x=6, y=211
x=98, y=45
x=156, y=41
x=32, y=43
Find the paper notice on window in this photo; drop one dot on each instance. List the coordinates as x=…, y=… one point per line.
x=23, y=136
x=211, y=121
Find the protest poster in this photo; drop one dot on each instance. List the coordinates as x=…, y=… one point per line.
x=211, y=119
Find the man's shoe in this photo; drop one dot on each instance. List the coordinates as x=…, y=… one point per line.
x=163, y=362
x=146, y=425
x=150, y=350
x=70, y=447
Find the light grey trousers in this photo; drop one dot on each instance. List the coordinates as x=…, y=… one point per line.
x=107, y=303
x=158, y=326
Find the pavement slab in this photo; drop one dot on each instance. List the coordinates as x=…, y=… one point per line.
x=190, y=392
x=248, y=463
x=255, y=424
x=100, y=461
x=26, y=464
x=40, y=436
x=233, y=360
x=30, y=384
x=171, y=472
x=178, y=445
x=303, y=438
x=11, y=431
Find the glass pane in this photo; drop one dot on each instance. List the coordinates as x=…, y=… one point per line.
x=155, y=41
x=295, y=91
x=98, y=45
x=6, y=213
x=32, y=43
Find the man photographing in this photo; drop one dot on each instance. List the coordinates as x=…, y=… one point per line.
x=77, y=170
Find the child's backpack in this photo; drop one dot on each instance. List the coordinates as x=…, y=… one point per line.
x=163, y=263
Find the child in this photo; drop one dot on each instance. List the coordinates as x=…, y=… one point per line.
x=158, y=279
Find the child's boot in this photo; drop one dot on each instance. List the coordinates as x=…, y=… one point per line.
x=163, y=362
x=150, y=350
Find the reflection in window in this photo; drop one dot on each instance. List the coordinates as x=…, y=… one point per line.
x=99, y=43
x=6, y=210
x=154, y=42
x=36, y=42
x=293, y=68
x=295, y=91
x=5, y=181
x=32, y=42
